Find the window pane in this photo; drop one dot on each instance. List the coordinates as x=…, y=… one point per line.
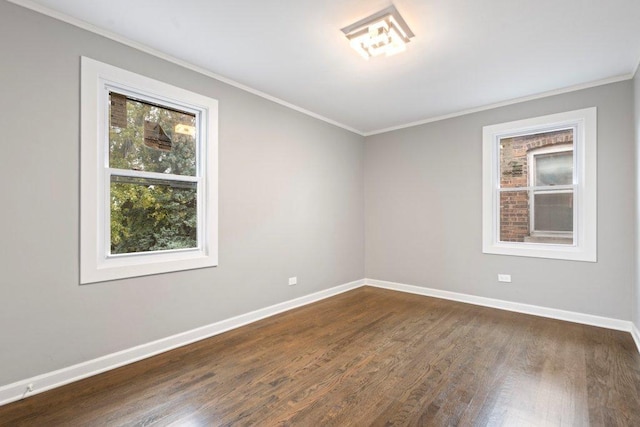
x=514, y=157
x=553, y=212
x=151, y=138
x=514, y=216
x=152, y=215
x=554, y=168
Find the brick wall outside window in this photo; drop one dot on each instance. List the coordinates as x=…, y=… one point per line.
x=514, y=170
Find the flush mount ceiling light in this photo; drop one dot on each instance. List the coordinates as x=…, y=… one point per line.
x=384, y=32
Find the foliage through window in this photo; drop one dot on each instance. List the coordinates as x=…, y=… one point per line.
x=151, y=214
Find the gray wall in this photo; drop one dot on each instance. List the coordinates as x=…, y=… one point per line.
x=423, y=188
x=291, y=204
x=636, y=122
x=292, y=199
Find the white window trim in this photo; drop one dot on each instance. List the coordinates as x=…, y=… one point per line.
x=531, y=159
x=96, y=265
x=585, y=169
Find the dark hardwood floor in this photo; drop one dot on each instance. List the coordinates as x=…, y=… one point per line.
x=367, y=357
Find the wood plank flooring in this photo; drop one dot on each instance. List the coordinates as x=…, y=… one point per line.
x=367, y=357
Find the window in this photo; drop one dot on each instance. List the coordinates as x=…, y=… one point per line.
x=539, y=187
x=551, y=192
x=148, y=176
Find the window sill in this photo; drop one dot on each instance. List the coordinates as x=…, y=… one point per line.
x=555, y=240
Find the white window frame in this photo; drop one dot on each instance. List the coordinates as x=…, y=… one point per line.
x=557, y=189
x=584, y=247
x=96, y=262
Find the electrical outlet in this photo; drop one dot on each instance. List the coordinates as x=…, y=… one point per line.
x=30, y=388
x=293, y=281
x=504, y=278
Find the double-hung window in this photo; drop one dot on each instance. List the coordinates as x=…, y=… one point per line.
x=539, y=187
x=551, y=184
x=148, y=176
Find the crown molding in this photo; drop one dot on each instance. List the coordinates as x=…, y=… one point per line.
x=635, y=70
x=28, y=4
x=505, y=103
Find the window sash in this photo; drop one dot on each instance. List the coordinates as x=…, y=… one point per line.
x=547, y=189
x=159, y=102
x=160, y=178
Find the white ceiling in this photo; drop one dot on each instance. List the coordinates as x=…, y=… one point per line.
x=466, y=53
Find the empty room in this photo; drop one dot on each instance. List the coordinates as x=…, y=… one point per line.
x=320, y=213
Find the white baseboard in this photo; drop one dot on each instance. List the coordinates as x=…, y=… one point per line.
x=47, y=381
x=570, y=316
x=635, y=333
x=50, y=380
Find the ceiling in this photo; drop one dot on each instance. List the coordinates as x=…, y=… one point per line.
x=466, y=54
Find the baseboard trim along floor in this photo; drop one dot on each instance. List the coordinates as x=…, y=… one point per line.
x=635, y=333
x=48, y=381
x=60, y=377
x=553, y=313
